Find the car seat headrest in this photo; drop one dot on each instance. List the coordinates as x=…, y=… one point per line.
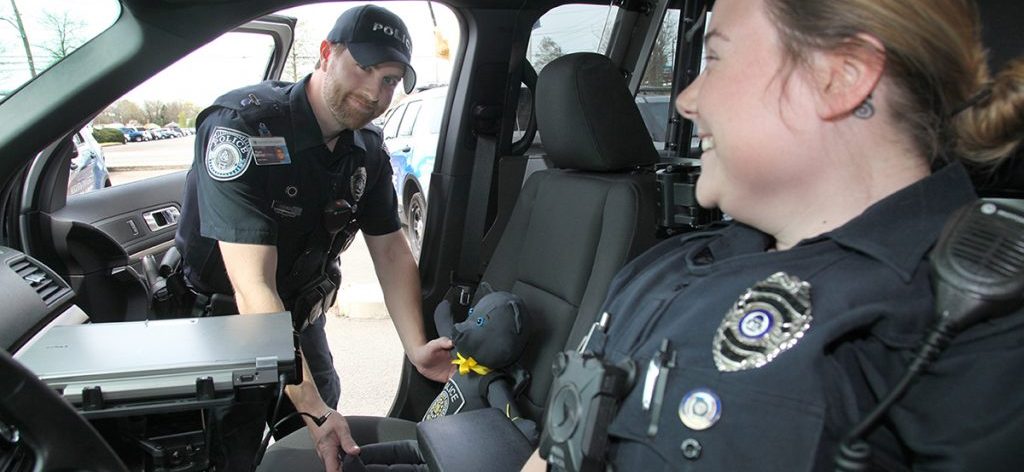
x=587, y=118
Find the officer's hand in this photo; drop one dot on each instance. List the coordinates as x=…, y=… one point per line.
x=433, y=359
x=331, y=439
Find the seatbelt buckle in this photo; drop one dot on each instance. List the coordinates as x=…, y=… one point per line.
x=465, y=295
x=594, y=341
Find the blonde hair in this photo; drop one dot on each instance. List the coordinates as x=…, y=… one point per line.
x=934, y=59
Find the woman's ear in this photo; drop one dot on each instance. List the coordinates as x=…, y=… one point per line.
x=847, y=76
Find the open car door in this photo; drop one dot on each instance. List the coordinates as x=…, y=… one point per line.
x=102, y=241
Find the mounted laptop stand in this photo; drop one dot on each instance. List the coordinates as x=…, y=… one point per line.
x=149, y=386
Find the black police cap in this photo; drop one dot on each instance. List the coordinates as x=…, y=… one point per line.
x=374, y=35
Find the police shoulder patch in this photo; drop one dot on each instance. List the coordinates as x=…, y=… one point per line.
x=449, y=402
x=228, y=153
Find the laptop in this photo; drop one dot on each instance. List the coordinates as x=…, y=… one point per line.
x=150, y=360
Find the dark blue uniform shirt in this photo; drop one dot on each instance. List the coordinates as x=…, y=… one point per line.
x=233, y=196
x=871, y=302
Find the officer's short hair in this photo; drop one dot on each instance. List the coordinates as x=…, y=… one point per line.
x=336, y=48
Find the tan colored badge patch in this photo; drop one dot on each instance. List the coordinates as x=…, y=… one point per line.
x=768, y=318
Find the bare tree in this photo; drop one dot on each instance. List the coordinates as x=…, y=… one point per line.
x=3, y=73
x=659, y=66
x=301, y=56
x=547, y=51
x=153, y=111
x=15, y=21
x=123, y=111
x=65, y=32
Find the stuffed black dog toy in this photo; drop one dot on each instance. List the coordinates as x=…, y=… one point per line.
x=488, y=345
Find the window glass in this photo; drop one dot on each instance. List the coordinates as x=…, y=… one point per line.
x=394, y=118
x=157, y=119
x=411, y=112
x=36, y=34
x=433, y=111
x=568, y=29
x=654, y=97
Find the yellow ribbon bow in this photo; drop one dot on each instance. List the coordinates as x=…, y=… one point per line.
x=468, y=364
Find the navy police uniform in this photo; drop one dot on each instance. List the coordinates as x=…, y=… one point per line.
x=263, y=175
x=777, y=355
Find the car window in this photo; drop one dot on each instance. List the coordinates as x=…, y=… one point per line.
x=36, y=34
x=568, y=29
x=409, y=120
x=430, y=121
x=394, y=118
x=156, y=120
x=654, y=97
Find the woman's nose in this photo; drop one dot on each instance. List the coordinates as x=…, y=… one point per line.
x=686, y=102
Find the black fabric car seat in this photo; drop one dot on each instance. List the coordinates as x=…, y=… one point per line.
x=575, y=225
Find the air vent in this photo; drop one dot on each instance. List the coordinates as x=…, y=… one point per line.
x=48, y=286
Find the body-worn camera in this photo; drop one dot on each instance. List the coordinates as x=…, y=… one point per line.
x=586, y=392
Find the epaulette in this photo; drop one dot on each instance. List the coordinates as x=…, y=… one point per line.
x=254, y=102
x=373, y=136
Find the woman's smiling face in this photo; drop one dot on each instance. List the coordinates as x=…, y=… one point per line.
x=752, y=114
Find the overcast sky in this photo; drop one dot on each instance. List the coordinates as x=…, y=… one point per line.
x=238, y=59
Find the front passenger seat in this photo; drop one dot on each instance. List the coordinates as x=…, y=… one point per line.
x=575, y=225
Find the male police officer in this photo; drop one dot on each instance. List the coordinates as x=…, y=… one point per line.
x=268, y=230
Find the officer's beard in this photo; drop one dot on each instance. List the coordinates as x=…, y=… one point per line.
x=348, y=117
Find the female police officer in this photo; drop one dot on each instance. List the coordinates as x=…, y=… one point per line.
x=832, y=132
x=265, y=228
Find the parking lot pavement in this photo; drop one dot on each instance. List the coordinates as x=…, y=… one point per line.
x=150, y=156
x=368, y=357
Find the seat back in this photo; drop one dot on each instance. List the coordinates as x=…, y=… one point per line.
x=575, y=225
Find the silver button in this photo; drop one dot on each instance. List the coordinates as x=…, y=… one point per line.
x=691, y=448
x=700, y=409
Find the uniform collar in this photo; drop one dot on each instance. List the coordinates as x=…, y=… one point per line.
x=901, y=228
x=305, y=129
x=897, y=231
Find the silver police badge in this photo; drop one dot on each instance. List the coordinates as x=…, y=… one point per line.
x=768, y=318
x=228, y=154
x=358, y=183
